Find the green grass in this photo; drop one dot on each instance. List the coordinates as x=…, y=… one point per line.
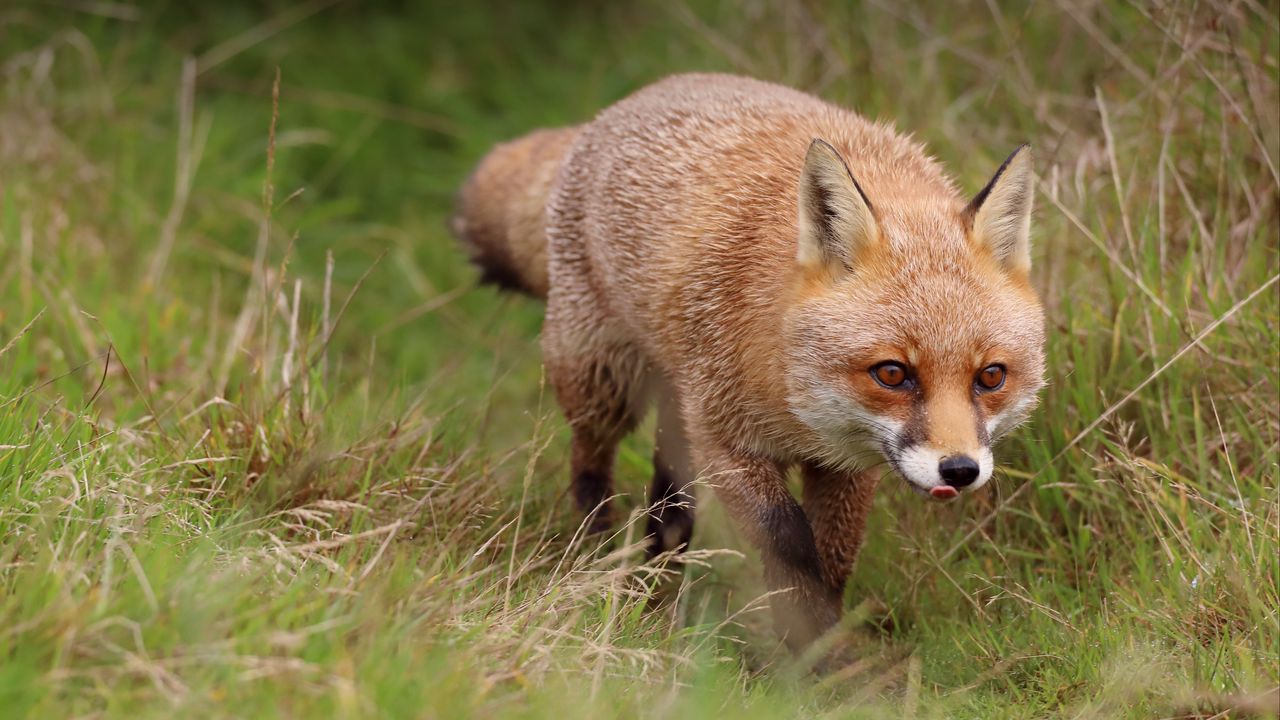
x=211, y=504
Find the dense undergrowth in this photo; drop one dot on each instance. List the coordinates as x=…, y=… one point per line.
x=264, y=451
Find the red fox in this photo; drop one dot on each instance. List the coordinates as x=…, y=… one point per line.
x=792, y=285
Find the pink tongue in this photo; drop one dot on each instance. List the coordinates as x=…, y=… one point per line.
x=944, y=492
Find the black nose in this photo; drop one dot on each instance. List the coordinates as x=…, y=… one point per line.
x=958, y=470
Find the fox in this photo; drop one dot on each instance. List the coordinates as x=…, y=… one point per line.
x=792, y=285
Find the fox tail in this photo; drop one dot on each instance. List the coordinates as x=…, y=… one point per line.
x=500, y=217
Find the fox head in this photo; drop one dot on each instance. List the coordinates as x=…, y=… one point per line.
x=915, y=334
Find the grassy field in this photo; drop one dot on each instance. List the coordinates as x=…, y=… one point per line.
x=265, y=450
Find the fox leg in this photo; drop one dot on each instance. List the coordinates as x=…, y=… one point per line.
x=596, y=382
x=836, y=504
x=755, y=493
x=596, y=394
x=671, y=501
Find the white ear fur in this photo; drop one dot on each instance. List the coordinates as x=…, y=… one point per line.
x=1000, y=214
x=836, y=220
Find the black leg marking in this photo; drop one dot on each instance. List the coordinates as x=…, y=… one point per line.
x=590, y=488
x=789, y=539
x=670, y=523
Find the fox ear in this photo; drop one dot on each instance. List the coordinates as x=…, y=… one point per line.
x=999, y=217
x=836, y=220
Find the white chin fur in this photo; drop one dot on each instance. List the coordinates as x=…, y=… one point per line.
x=830, y=414
x=919, y=466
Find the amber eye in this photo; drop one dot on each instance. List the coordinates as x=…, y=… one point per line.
x=991, y=377
x=890, y=374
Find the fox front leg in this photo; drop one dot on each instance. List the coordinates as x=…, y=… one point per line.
x=836, y=504
x=755, y=493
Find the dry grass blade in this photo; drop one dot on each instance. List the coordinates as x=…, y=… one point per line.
x=21, y=333
x=188, y=159
x=232, y=47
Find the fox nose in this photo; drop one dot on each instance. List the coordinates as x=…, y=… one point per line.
x=958, y=470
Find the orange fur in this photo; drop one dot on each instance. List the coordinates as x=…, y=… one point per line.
x=702, y=247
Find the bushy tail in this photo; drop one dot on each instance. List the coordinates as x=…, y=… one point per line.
x=501, y=213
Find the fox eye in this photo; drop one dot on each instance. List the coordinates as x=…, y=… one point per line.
x=991, y=377
x=890, y=374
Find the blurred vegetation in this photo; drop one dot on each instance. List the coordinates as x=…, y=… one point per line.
x=236, y=483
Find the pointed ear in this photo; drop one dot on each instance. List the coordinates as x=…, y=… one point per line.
x=999, y=217
x=836, y=220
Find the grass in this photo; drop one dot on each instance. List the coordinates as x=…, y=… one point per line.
x=264, y=451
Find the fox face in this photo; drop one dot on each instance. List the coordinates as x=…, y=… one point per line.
x=915, y=336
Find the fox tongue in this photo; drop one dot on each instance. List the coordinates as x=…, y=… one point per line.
x=944, y=492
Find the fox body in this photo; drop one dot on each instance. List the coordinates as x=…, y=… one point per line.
x=792, y=285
